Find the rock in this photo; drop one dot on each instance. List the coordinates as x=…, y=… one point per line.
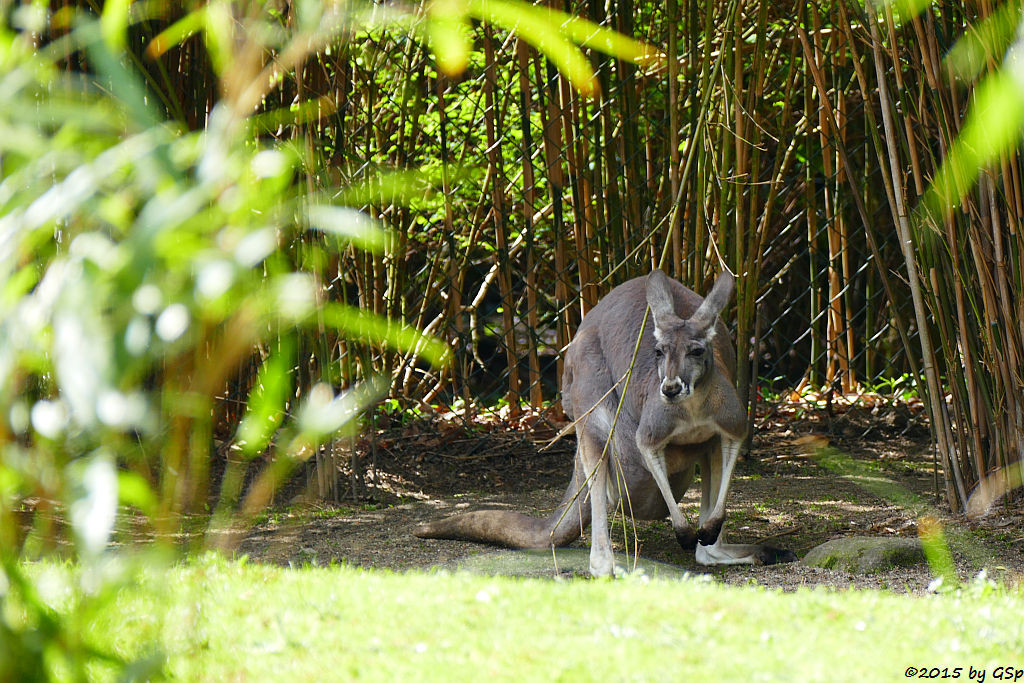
x=866, y=554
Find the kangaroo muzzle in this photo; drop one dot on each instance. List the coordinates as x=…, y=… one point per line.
x=673, y=389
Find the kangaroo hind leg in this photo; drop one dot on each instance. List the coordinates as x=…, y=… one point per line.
x=716, y=469
x=602, y=558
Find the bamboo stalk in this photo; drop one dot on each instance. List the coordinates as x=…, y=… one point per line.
x=873, y=242
x=631, y=151
x=529, y=207
x=814, y=296
x=751, y=237
x=500, y=220
x=940, y=424
x=551, y=119
x=675, y=223
x=759, y=232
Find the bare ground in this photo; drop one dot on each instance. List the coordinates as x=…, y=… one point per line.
x=780, y=494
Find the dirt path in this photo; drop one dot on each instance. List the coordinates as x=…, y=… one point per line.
x=780, y=493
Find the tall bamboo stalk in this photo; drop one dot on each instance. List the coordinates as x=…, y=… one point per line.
x=529, y=208
x=499, y=218
x=941, y=426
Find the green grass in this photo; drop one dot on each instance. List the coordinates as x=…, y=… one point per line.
x=330, y=512
x=218, y=620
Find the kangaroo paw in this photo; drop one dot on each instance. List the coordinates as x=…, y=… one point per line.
x=687, y=538
x=769, y=555
x=708, y=534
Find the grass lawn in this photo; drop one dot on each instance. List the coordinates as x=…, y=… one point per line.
x=216, y=620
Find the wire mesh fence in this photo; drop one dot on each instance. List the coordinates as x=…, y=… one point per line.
x=788, y=142
x=515, y=203
x=529, y=201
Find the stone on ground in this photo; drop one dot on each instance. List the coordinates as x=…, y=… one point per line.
x=866, y=554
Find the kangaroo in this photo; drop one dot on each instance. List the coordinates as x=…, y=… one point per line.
x=679, y=411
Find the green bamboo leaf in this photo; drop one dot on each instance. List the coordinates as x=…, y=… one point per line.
x=448, y=32
x=304, y=112
x=936, y=551
x=984, y=41
x=993, y=127
x=349, y=225
x=114, y=23
x=400, y=186
x=309, y=14
x=591, y=35
x=265, y=409
x=544, y=35
x=92, y=507
x=18, y=285
x=177, y=33
x=904, y=10
x=322, y=413
x=218, y=30
x=134, y=490
x=386, y=188
x=372, y=328
x=124, y=83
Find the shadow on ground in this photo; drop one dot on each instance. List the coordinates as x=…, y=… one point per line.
x=780, y=494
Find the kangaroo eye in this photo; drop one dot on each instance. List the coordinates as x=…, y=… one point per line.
x=696, y=353
x=658, y=353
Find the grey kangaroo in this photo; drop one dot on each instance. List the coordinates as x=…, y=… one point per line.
x=679, y=412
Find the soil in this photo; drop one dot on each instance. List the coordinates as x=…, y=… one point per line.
x=780, y=495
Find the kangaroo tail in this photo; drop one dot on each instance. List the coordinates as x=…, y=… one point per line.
x=516, y=530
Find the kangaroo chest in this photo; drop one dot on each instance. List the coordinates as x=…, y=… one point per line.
x=679, y=449
x=690, y=426
x=692, y=433
x=679, y=427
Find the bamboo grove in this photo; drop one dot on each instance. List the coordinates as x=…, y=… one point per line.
x=788, y=142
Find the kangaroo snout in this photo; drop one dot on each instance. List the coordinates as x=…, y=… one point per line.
x=672, y=389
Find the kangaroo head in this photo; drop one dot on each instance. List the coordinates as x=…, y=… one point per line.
x=683, y=348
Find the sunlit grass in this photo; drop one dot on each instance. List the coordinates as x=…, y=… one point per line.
x=218, y=620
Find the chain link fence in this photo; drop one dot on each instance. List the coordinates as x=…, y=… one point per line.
x=529, y=202
x=515, y=204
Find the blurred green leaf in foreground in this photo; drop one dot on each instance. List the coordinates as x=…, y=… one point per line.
x=142, y=264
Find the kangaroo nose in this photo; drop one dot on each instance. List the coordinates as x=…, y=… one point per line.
x=671, y=388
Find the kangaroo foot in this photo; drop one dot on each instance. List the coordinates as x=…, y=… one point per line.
x=602, y=565
x=766, y=554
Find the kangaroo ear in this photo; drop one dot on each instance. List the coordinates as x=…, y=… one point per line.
x=714, y=302
x=659, y=298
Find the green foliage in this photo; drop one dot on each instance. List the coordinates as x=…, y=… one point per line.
x=143, y=262
x=902, y=387
x=556, y=33
x=986, y=42
x=992, y=129
x=961, y=248
x=142, y=267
